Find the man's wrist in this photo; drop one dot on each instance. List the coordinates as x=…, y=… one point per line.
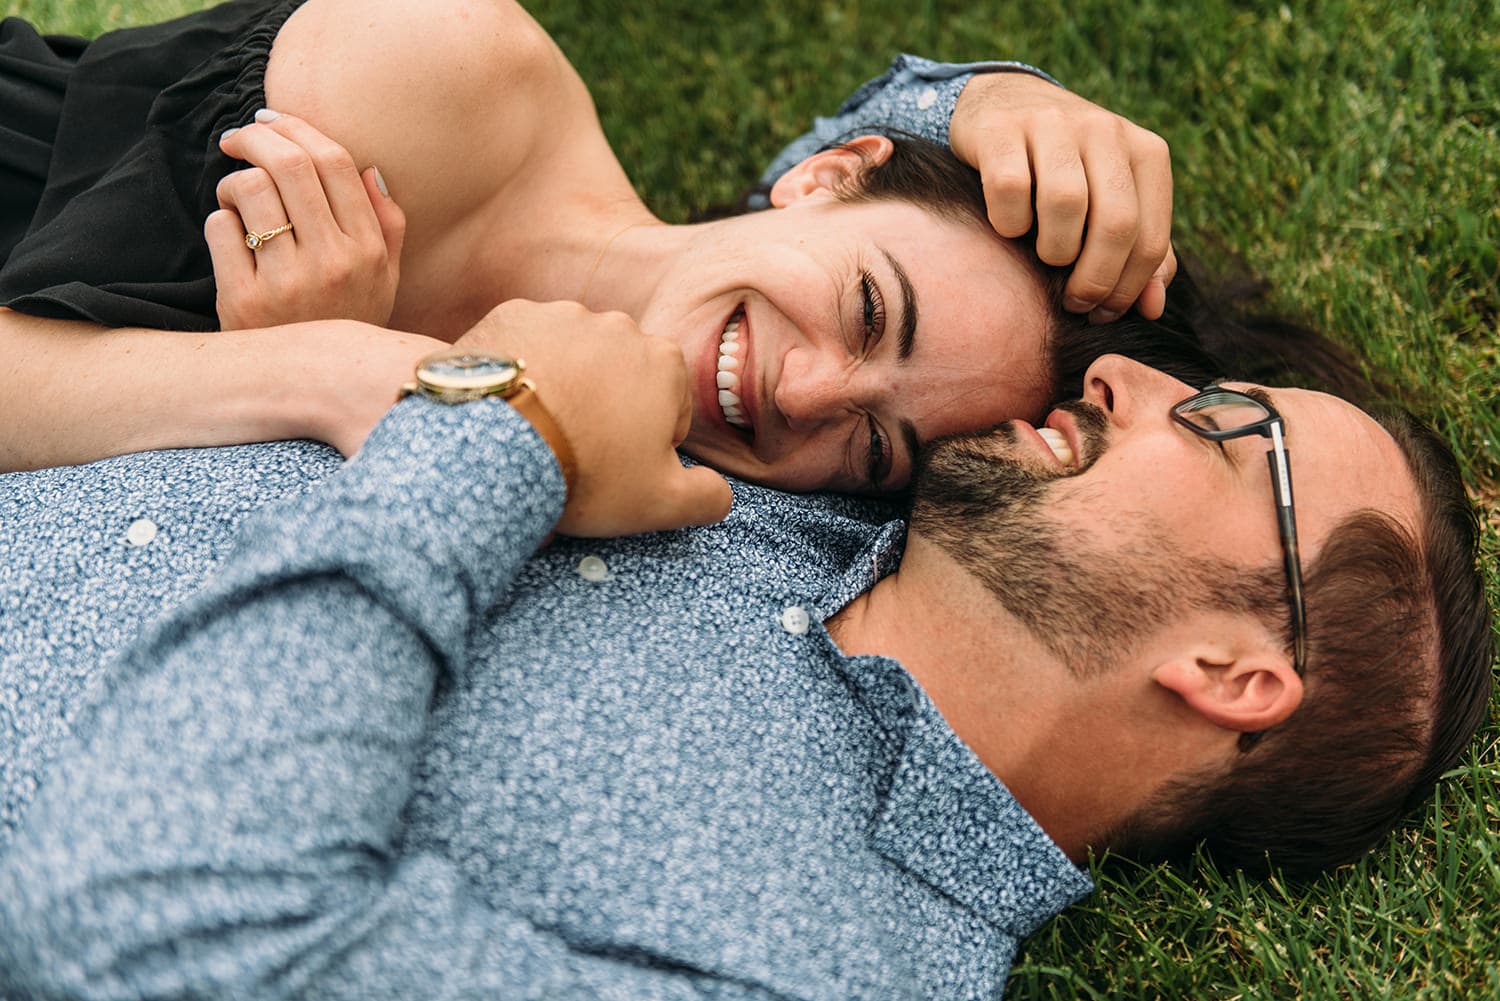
x=530, y=406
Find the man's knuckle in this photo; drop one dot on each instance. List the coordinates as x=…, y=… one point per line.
x=1152, y=247
x=1115, y=228
x=1149, y=145
x=1007, y=184
x=1065, y=159
x=1069, y=201
x=1092, y=288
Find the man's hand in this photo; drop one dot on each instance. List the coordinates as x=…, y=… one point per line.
x=622, y=400
x=1089, y=168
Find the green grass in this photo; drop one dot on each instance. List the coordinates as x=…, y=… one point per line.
x=1348, y=150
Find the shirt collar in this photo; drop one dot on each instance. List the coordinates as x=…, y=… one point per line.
x=944, y=816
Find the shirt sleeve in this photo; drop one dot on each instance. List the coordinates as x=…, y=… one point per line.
x=226, y=821
x=914, y=95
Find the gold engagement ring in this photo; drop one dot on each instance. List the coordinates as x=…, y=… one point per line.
x=257, y=240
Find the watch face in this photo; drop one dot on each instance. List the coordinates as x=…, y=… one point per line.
x=482, y=372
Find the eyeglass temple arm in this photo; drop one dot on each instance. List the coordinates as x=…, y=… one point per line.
x=1286, y=522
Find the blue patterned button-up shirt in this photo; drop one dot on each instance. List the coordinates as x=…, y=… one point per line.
x=382, y=754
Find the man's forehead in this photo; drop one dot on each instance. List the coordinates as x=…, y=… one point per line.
x=1342, y=460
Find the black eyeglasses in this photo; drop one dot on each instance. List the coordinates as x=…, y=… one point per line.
x=1224, y=414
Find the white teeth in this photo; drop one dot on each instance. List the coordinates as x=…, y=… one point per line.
x=1058, y=442
x=728, y=377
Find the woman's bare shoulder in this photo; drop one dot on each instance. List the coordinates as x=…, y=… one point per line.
x=462, y=90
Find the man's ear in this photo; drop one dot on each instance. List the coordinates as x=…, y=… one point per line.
x=1244, y=688
x=824, y=173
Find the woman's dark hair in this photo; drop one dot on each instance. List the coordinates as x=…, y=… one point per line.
x=1205, y=333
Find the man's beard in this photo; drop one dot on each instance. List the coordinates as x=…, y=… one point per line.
x=989, y=511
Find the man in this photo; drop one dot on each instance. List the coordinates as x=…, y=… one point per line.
x=383, y=755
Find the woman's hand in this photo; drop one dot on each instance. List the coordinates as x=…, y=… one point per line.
x=1090, y=170
x=621, y=398
x=342, y=257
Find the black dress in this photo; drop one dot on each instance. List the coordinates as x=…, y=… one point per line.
x=109, y=161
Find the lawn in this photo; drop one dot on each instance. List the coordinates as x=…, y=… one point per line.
x=1347, y=150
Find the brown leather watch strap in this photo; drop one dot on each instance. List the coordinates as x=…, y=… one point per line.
x=529, y=405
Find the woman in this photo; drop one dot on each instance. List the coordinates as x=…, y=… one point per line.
x=500, y=198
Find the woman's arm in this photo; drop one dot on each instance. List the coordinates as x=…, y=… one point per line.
x=77, y=392
x=418, y=90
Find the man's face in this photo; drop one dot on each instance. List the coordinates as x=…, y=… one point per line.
x=1101, y=529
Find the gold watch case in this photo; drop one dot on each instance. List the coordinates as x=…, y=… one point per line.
x=459, y=378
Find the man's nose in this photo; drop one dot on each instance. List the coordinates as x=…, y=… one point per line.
x=1125, y=389
x=812, y=390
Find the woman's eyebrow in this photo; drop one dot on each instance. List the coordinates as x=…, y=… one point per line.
x=913, y=443
x=908, y=308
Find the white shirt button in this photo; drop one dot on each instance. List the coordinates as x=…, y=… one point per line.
x=142, y=532
x=795, y=620
x=926, y=99
x=592, y=568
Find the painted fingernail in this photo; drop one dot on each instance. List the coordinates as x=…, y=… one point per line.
x=227, y=133
x=380, y=182
x=265, y=115
x=1104, y=316
x=1073, y=304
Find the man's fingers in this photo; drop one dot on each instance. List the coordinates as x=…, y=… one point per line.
x=1006, y=173
x=1114, y=226
x=1062, y=200
x=701, y=497
x=1153, y=300
x=1151, y=182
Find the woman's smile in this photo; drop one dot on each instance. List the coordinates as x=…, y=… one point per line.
x=729, y=369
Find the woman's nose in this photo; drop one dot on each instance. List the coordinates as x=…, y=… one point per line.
x=811, y=391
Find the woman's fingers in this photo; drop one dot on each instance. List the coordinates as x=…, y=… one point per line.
x=234, y=264
x=292, y=175
x=388, y=214
x=253, y=196
x=351, y=228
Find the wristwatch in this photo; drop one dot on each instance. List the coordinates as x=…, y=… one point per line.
x=459, y=377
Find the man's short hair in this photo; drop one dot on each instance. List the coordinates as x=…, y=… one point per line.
x=1379, y=723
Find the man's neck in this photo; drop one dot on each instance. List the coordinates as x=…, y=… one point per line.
x=1044, y=732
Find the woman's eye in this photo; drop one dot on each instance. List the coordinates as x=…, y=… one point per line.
x=880, y=455
x=874, y=309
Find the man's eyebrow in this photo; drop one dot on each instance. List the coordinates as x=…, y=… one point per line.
x=1260, y=396
x=908, y=308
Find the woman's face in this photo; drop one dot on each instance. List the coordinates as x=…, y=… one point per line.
x=827, y=342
